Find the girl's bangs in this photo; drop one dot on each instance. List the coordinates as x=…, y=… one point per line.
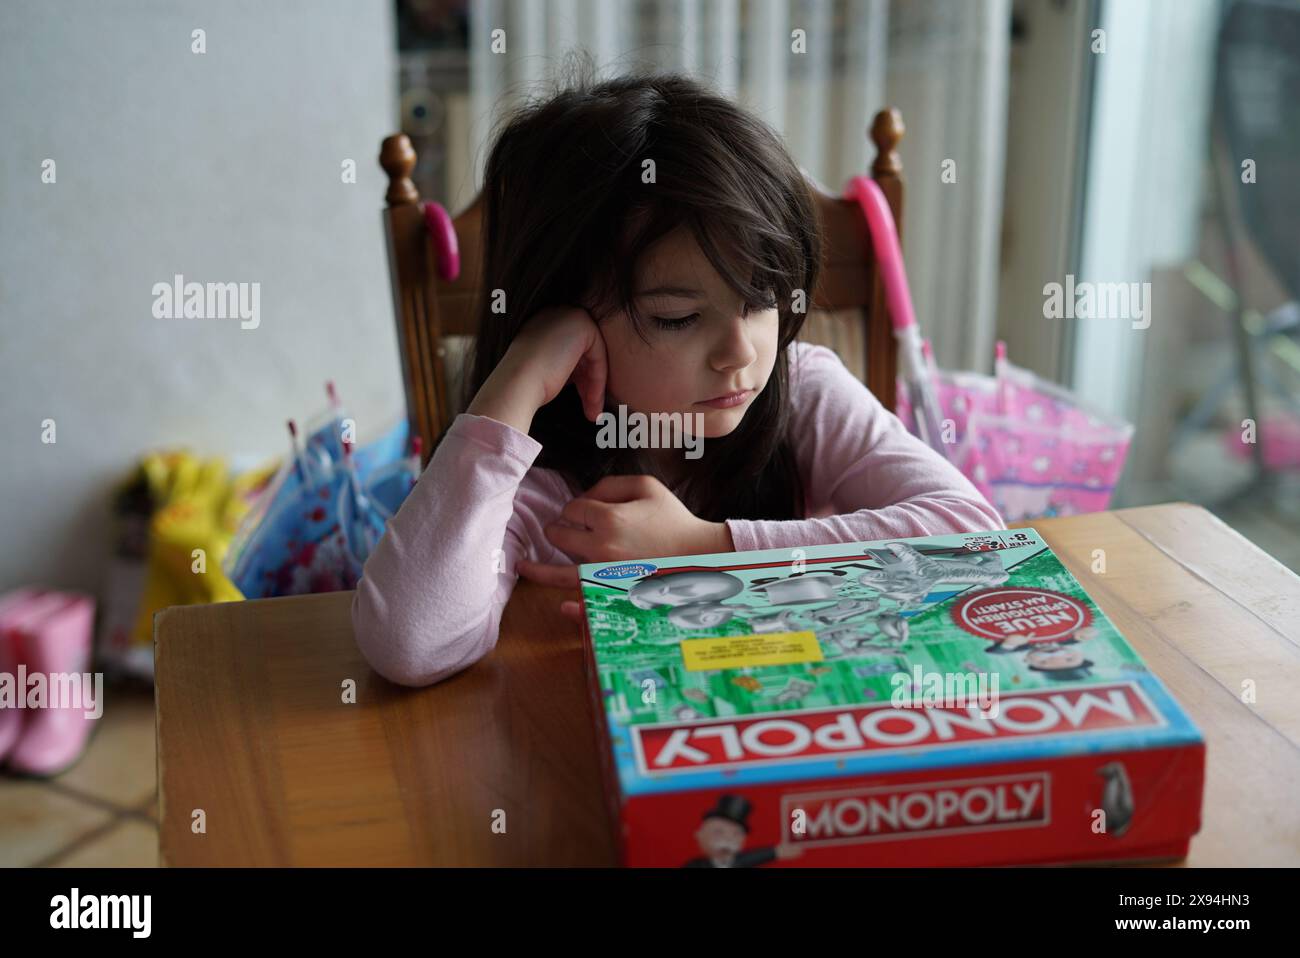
x=759, y=263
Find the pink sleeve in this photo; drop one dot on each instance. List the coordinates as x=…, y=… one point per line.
x=431, y=595
x=866, y=476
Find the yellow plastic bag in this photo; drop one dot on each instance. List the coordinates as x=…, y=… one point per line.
x=199, y=508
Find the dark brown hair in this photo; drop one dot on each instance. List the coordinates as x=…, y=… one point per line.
x=566, y=213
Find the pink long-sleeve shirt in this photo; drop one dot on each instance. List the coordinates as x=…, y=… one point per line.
x=430, y=599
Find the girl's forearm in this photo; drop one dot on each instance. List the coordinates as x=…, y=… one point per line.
x=941, y=514
x=720, y=533
x=431, y=594
x=509, y=397
x=514, y=413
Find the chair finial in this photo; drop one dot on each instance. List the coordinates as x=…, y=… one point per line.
x=397, y=157
x=887, y=132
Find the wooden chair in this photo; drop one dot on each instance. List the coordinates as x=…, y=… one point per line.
x=848, y=309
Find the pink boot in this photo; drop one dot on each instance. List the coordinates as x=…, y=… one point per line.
x=12, y=605
x=58, y=644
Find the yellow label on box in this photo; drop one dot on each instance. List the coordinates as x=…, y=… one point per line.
x=750, y=651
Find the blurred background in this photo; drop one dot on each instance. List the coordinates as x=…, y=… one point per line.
x=1047, y=141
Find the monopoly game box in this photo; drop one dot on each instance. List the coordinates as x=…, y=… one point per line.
x=948, y=700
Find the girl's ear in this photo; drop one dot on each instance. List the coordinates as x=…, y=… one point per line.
x=600, y=312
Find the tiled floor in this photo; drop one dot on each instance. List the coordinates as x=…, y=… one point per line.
x=102, y=811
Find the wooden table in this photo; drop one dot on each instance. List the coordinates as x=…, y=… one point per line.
x=253, y=729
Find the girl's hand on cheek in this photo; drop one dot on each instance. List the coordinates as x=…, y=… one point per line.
x=623, y=518
x=562, y=345
x=554, y=347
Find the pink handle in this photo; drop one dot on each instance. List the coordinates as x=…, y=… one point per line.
x=889, y=258
x=1000, y=375
x=446, y=252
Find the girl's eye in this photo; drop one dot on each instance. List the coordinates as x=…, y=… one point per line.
x=675, y=322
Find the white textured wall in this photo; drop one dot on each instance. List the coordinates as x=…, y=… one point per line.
x=223, y=167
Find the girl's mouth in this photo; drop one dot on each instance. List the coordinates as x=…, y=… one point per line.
x=731, y=399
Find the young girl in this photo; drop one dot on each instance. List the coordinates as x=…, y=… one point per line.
x=644, y=243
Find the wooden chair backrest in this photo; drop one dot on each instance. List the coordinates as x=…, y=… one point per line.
x=847, y=312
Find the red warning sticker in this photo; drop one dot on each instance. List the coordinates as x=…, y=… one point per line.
x=1040, y=613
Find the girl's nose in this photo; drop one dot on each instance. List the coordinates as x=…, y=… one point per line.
x=734, y=350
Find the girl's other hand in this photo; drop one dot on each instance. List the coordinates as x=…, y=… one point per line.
x=623, y=518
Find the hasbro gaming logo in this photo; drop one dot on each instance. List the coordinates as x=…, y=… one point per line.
x=624, y=571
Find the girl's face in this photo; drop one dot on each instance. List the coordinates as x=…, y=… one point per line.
x=703, y=343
